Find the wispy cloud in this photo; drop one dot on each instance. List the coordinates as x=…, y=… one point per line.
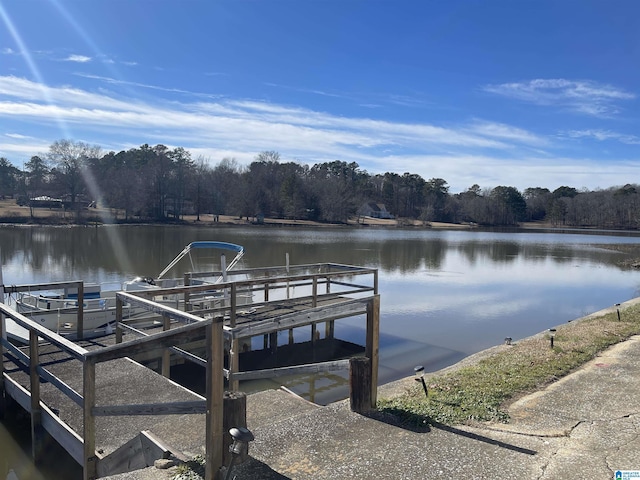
x=463, y=153
x=604, y=135
x=78, y=58
x=17, y=136
x=8, y=51
x=580, y=96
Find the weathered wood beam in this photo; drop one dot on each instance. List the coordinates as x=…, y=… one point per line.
x=42, y=332
x=172, y=408
x=293, y=370
x=183, y=334
x=302, y=318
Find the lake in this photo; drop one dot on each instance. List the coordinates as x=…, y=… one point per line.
x=445, y=294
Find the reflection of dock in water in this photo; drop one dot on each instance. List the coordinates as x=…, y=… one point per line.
x=112, y=414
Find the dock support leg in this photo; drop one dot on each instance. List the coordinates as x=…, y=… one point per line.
x=166, y=353
x=360, y=384
x=329, y=329
x=215, y=402
x=37, y=431
x=273, y=342
x=291, y=340
x=234, y=365
x=372, y=344
x=89, y=421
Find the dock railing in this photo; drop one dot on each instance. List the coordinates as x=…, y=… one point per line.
x=38, y=287
x=332, y=291
x=83, y=447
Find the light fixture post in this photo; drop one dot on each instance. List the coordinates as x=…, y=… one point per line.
x=419, y=371
x=241, y=437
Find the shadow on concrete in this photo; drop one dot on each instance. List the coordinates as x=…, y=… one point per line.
x=481, y=438
x=253, y=468
x=420, y=424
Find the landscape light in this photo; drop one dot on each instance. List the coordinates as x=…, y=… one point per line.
x=618, y=310
x=552, y=331
x=241, y=437
x=419, y=371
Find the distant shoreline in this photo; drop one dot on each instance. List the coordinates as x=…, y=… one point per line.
x=13, y=214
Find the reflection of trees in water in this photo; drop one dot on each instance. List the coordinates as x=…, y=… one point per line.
x=507, y=252
x=63, y=253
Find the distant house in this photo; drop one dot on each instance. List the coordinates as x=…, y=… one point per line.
x=375, y=210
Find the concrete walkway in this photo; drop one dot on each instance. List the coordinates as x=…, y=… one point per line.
x=585, y=426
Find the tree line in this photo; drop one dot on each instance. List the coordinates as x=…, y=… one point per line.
x=158, y=183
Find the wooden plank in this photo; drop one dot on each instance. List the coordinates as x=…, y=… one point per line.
x=177, y=351
x=172, y=408
x=17, y=392
x=302, y=318
x=21, y=357
x=52, y=337
x=293, y=370
x=41, y=286
x=64, y=435
x=183, y=334
x=60, y=385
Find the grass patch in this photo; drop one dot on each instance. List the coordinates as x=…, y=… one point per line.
x=481, y=391
x=191, y=470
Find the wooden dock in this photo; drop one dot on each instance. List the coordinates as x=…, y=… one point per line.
x=111, y=413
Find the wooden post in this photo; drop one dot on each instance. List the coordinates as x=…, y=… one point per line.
x=329, y=329
x=215, y=393
x=273, y=342
x=314, y=302
x=89, y=421
x=314, y=333
x=166, y=353
x=187, y=282
x=372, y=344
x=291, y=339
x=234, y=354
x=37, y=431
x=234, y=305
x=360, y=384
x=235, y=415
x=80, y=325
x=118, y=319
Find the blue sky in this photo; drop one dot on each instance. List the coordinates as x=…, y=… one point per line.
x=517, y=93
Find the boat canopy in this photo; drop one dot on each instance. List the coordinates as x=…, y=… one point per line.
x=207, y=244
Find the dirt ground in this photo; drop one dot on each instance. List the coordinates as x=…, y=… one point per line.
x=10, y=212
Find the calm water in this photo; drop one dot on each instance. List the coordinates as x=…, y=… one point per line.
x=444, y=294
